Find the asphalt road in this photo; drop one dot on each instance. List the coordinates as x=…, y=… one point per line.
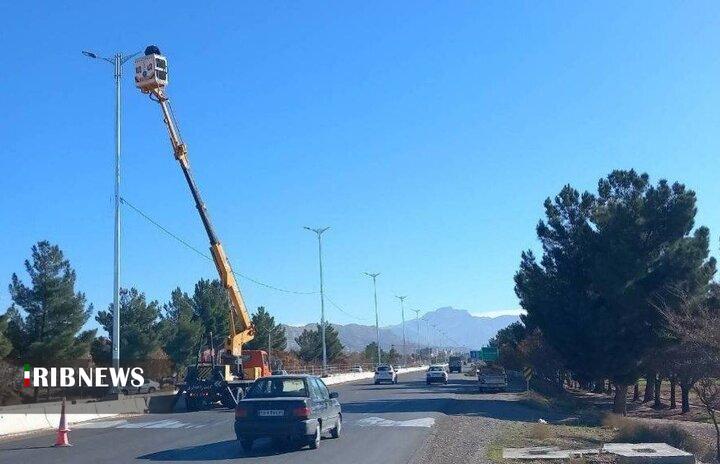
x=382, y=423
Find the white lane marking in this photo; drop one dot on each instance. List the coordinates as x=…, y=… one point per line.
x=380, y=422
x=99, y=424
x=141, y=425
x=124, y=424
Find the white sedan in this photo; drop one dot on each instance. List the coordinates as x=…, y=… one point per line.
x=150, y=386
x=436, y=374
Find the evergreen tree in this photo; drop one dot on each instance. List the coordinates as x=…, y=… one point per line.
x=181, y=331
x=264, y=323
x=393, y=357
x=139, y=330
x=310, y=343
x=605, y=257
x=101, y=351
x=5, y=344
x=370, y=353
x=212, y=308
x=46, y=316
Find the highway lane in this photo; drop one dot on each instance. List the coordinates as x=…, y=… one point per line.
x=382, y=423
x=208, y=435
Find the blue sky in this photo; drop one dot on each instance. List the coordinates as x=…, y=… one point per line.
x=426, y=134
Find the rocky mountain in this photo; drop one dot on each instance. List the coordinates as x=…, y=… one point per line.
x=462, y=328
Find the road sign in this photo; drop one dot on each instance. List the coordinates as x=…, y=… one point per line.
x=490, y=353
x=528, y=373
x=476, y=355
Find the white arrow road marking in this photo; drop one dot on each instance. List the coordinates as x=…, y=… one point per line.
x=380, y=422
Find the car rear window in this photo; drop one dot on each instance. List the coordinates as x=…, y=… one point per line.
x=436, y=368
x=278, y=388
x=383, y=368
x=492, y=371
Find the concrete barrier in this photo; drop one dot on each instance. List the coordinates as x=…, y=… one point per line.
x=352, y=376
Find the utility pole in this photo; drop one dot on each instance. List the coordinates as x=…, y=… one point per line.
x=118, y=60
x=377, y=323
x=402, y=311
x=417, y=338
x=319, y=232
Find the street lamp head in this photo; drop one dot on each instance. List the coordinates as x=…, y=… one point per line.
x=89, y=54
x=318, y=230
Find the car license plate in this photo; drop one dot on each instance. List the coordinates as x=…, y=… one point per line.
x=271, y=412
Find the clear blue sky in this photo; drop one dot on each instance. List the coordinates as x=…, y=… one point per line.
x=425, y=134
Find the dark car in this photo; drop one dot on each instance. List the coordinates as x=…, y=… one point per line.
x=293, y=409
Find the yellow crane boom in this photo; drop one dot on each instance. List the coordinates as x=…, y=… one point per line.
x=151, y=78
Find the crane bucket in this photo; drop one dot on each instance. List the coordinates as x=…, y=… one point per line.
x=151, y=72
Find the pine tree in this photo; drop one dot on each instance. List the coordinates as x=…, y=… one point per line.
x=46, y=316
x=310, y=344
x=139, y=330
x=5, y=344
x=180, y=330
x=212, y=308
x=605, y=257
x=265, y=323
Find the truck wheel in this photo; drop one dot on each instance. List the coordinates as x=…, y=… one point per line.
x=315, y=440
x=246, y=444
x=190, y=404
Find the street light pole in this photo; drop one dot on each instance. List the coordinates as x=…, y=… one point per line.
x=377, y=323
x=117, y=61
x=319, y=232
x=402, y=311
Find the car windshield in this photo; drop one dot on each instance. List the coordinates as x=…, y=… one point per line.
x=277, y=388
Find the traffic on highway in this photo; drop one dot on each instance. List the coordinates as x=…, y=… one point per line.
x=283, y=418
x=359, y=232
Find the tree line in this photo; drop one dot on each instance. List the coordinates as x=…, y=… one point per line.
x=44, y=323
x=624, y=289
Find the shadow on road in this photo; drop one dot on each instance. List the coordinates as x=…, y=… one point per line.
x=496, y=409
x=221, y=450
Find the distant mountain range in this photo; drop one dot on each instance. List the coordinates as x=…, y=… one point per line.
x=462, y=328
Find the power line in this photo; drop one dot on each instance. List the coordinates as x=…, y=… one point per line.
x=204, y=255
x=345, y=312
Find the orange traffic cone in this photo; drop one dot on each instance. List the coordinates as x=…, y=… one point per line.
x=62, y=433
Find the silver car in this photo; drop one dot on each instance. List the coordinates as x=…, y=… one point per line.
x=492, y=379
x=385, y=374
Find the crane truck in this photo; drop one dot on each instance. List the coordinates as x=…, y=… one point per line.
x=226, y=374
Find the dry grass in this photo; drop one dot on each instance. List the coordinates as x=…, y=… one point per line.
x=628, y=430
x=523, y=434
x=540, y=432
